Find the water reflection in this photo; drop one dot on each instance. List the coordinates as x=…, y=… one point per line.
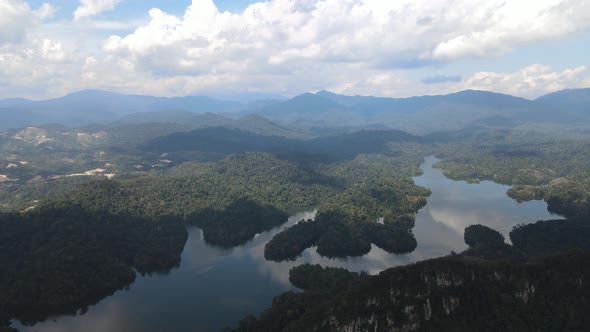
x=215, y=287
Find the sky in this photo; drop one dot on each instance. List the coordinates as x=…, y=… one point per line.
x=395, y=48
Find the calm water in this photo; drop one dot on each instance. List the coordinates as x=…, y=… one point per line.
x=214, y=288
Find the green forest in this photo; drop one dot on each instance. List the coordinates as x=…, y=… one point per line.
x=234, y=183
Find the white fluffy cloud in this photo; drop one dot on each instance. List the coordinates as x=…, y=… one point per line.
x=31, y=63
x=89, y=8
x=531, y=81
x=387, y=33
x=16, y=17
x=288, y=42
x=498, y=26
x=289, y=47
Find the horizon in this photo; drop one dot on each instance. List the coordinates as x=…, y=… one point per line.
x=203, y=47
x=280, y=98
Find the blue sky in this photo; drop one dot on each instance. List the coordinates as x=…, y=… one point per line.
x=139, y=8
x=371, y=47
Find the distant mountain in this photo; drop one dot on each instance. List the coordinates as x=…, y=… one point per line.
x=484, y=98
x=253, y=123
x=575, y=96
x=565, y=106
x=421, y=114
x=13, y=102
x=259, y=104
x=175, y=116
x=126, y=104
x=92, y=106
x=248, y=97
x=342, y=99
x=322, y=113
x=257, y=124
x=412, y=104
x=12, y=118
x=304, y=104
x=308, y=110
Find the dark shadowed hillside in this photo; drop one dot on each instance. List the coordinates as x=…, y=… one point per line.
x=223, y=141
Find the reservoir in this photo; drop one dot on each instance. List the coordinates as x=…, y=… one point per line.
x=214, y=288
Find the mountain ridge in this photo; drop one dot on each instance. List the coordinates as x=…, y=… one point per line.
x=416, y=114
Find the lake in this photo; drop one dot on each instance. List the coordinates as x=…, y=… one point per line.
x=214, y=288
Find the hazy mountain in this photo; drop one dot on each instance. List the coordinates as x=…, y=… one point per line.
x=16, y=119
x=91, y=106
x=412, y=104
x=303, y=104
x=248, y=97
x=13, y=102
x=308, y=112
x=257, y=124
x=574, y=96
x=259, y=104
x=253, y=123
x=425, y=114
x=565, y=106
x=342, y=99
x=126, y=104
x=175, y=116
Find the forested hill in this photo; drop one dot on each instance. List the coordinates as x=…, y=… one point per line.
x=225, y=141
x=61, y=257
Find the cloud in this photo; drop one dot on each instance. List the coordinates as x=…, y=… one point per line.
x=29, y=62
x=17, y=17
x=532, y=81
x=401, y=33
x=441, y=79
x=496, y=27
x=284, y=46
x=90, y=8
x=294, y=41
x=45, y=11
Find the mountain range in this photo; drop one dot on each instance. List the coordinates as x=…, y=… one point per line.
x=310, y=112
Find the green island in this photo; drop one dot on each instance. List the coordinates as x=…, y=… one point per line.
x=335, y=236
